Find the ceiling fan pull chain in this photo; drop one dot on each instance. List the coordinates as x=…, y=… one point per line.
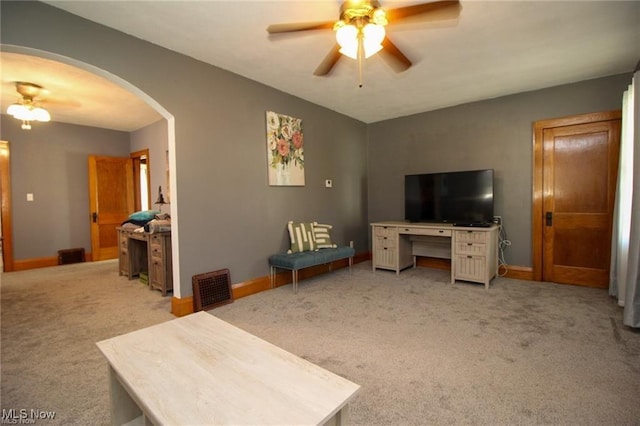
x=360, y=56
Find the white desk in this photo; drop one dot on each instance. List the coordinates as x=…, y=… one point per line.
x=199, y=369
x=473, y=251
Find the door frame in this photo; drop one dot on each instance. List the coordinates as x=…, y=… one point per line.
x=5, y=201
x=137, y=158
x=538, y=171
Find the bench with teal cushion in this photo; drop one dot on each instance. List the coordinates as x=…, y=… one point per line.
x=296, y=261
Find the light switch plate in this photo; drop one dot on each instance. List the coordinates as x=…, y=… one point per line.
x=328, y=183
x=29, y=196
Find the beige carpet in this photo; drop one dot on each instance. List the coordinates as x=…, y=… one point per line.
x=51, y=320
x=424, y=351
x=427, y=352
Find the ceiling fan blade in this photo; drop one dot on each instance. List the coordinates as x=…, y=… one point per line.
x=329, y=61
x=60, y=102
x=394, y=57
x=439, y=10
x=299, y=26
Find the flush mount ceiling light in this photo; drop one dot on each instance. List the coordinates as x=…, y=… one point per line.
x=26, y=108
x=360, y=31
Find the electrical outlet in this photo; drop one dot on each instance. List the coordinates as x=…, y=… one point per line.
x=497, y=220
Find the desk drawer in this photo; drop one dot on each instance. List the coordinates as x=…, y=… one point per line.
x=471, y=236
x=385, y=243
x=385, y=257
x=123, y=239
x=471, y=248
x=385, y=232
x=472, y=268
x=155, y=240
x=156, y=252
x=425, y=231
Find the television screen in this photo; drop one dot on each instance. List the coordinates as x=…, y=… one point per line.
x=464, y=198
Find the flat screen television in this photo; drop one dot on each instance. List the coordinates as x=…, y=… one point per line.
x=461, y=198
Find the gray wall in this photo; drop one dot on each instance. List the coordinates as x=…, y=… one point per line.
x=228, y=216
x=496, y=134
x=50, y=161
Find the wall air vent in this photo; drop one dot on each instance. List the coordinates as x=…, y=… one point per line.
x=211, y=289
x=74, y=255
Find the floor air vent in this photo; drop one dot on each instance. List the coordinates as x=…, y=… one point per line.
x=211, y=289
x=74, y=255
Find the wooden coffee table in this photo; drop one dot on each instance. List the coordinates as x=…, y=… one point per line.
x=199, y=369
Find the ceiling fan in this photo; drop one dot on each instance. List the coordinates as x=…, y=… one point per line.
x=27, y=108
x=31, y=102
x=360, y=31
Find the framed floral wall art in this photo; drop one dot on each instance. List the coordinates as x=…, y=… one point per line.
x=285, y=150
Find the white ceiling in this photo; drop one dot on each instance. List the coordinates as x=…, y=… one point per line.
x=73, y=95
x=495, y=48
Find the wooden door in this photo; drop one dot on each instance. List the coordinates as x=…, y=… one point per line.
x=111, y=202
x=579, y=176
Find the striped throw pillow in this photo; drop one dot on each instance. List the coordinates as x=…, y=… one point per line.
x=301, y=236
x=322, y=235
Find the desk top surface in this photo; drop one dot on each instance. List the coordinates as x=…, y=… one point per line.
x=199, y=369
x=131, y=230
x=429, y=225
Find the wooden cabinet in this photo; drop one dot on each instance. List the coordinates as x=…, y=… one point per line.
x=132, y=253
x=143, y=252
x=473, y=251
x=123, y=253
x=160, y=267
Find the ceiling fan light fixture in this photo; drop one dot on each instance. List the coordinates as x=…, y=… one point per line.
x=14, y=109
x=22, y=112
x=26, y=112
x=41, y=114
x=373, y=37
x=379, y=17
x=26, y=108
x=347, y=36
